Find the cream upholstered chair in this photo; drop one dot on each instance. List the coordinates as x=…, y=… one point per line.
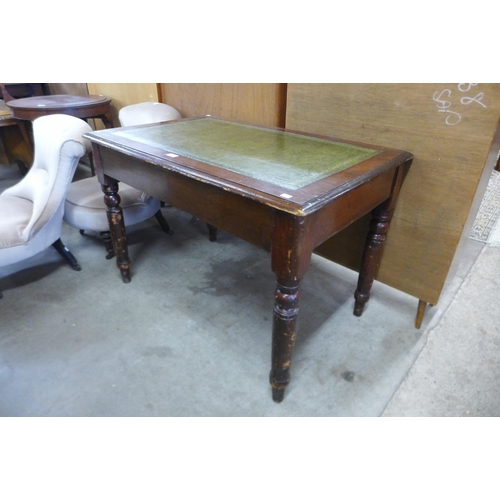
x=31, y=211
x=85, y=208
x=147, y=112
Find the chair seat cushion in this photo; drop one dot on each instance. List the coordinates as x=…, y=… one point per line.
x=15, y=214
x=85, y=209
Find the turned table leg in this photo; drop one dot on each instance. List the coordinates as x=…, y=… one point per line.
x=379, y=227
x=117, y=228
x=290, y=258
x=286, y=310
x=371, y=256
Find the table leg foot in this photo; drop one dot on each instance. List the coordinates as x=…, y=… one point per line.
x=125, y=275
x=279, y=380
x=278, y=395
x=360, y=301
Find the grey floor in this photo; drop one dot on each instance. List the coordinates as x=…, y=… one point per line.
x=191, y=334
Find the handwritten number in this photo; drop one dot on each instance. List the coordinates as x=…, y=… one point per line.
x=443, y=105
x=478, y=99
x=465, y=87
x=453, y=118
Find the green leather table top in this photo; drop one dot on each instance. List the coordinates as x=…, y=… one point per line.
x=281, y=158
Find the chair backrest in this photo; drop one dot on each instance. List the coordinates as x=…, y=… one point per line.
x=59, y=145
x=147, y=112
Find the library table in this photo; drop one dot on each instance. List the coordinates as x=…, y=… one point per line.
x=284, y=191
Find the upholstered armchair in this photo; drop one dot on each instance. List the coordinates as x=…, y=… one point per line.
x=85, y=208
x=31, y=211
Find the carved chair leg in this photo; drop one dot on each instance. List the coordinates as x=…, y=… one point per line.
x=163, y=222
x=212, y=232
x=108, y=242
x=64, y=251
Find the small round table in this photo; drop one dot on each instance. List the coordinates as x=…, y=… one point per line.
x=87, y=106
x=81, y=106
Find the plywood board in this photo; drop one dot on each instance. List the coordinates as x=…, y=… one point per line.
x=68, y=88
x=448, y=127
x=258, y=103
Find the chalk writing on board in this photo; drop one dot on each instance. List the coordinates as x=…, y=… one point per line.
x=444, y=105
x=469, y=100
x=445, y=101
x=465, y=87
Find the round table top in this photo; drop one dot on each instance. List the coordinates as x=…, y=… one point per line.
x=57, y=101
x=81, y=106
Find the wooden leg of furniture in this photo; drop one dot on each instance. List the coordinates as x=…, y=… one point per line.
x=291, y=252
x=163, y=222
x=117, y=227
x=377, y=234
x=91, y=162
x=212, y=232
x=371, y=256
x=286, y=310
x=420, y=313
x=108, y=244
x=107, y=120
x=64, y=251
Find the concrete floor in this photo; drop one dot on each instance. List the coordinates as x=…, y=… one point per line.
x=191, y=334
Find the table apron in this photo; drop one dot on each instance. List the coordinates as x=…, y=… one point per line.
x=349, y=207
x=231, y=212
x=246, y=218
x=90, y=111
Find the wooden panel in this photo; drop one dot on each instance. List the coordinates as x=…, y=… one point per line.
x=448, y=127
x=68, y=88
x=258, y=103
x=124, y=94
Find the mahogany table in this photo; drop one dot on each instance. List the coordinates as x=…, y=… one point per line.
x=284, y=191
x=87, y=106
